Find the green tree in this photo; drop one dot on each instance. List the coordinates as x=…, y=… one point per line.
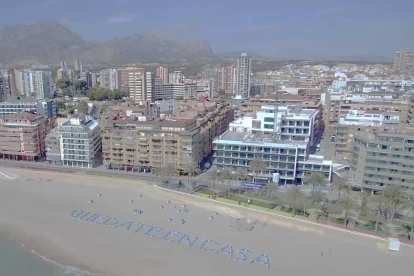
x=408, y=204
x=376, y=203
x=191, y=169
x=347, y=204
x=167, y=172
x=215, y=176
x=60, y=105
x=393, y=197
x=315, y=179
x=339, y=185
x=294, y=197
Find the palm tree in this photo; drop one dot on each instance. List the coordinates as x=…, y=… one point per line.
x=316, y=197
x=257, y=165
x=191, y=169
x=272, y=190
x=347, y=205
x=393, y=197
x=215, y=176
x=242, y=175
x=377, y=204
x=294, y=198
x=339, y=185
x=315, y=179
x=168, y=171
x=409, y=204
x=226, y=176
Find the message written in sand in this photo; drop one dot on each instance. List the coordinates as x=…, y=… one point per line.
x=174, y=237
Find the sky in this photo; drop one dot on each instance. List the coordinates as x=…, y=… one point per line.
x=273, y=28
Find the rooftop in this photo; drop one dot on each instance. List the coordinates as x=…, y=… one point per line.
x=258, y=138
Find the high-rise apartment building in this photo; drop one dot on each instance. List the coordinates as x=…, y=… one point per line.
x=243, y=77
x=41, y=84
x=404, y=62
x=383, y=159
x=136, y=86
x=176, y=77
x=30, y=83
x=22, y=136
x=109, y=79
x=123, y=76
x=77, y=143
x=149, y=86
x=161, y=73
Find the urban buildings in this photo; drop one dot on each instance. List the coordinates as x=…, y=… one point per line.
x=31, y=83
x=359, y=121
x=109, y=79
x=149, y=86
x=168, y=91
x=136, y=86
x=77, y=143
x=161, y=73
x=404, y=62
x=132, y=141
x=22, y=136
x=280, y=136
x=243, y=77
x=124, y=76
x=176, y=77
x=44, y=107
x=4, y=87
x=383, y=159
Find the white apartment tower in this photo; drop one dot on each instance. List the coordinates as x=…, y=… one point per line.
x=136, y=86
x=176, y=77
x=149, y=86
x=109, y=79
x=162, y=74
x=243, y=77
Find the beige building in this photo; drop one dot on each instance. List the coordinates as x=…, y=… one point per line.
x=132, y=141
x=308, y=100
x=22, y=136
x=383, y=159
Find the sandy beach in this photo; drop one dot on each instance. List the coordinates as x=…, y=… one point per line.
x=124, y=227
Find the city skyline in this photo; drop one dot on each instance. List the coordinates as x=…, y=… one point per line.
x=282, y=29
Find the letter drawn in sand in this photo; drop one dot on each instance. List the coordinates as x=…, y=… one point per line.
x=187, y=239
x=151, y=233
x=126, y=225
x=203, y=245
x=243, y=255
x=262, y=259
x=76, y=214
x=227, y=250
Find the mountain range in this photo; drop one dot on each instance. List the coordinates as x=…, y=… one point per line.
x=49, y=42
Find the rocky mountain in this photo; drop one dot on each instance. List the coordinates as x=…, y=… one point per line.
x=50, y=42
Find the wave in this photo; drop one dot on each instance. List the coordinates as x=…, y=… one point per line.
x=67, y=269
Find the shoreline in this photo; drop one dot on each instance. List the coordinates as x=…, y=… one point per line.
x=47, y=255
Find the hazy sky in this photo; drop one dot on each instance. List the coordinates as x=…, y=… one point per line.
x=278, y=28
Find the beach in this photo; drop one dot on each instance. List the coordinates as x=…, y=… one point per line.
x=109, y=226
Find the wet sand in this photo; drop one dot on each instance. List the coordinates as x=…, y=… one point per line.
x=63, y=217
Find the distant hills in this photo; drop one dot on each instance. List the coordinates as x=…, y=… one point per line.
x=50, y=42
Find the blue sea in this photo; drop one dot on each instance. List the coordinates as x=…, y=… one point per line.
x=16, y=260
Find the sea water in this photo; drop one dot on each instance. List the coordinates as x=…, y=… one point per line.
x=16, y=260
